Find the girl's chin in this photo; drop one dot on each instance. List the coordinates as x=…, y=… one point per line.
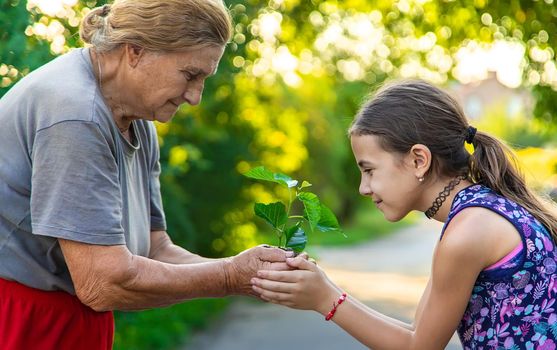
x=392, y=217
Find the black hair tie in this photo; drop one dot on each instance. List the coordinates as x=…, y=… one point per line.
x=470, y=133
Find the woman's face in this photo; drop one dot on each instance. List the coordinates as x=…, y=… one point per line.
x=164, y=81
x=387, y=178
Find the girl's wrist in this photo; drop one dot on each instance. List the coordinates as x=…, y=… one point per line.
x=329, y=300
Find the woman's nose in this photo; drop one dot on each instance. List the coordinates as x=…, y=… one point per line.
x=193, y=94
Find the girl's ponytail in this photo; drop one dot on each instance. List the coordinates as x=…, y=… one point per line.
x=494, y=165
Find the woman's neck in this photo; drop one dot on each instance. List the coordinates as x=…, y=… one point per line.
x=106, y=68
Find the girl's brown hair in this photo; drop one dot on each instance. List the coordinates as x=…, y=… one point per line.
x=415, y=112
x=158, y=25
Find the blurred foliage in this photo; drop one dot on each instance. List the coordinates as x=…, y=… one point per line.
x=288, y=86
x=539, y=165
x=528, y=137
x=164, y=328
x=518, y=130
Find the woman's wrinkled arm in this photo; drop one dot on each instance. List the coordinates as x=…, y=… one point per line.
x=111, y=278
x=164, y=250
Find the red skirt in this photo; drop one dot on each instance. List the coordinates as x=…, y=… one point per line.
x=40, y=320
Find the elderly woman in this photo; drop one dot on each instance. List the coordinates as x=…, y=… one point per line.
x=82, y=228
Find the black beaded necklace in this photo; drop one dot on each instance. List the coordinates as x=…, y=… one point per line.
x=438, y=202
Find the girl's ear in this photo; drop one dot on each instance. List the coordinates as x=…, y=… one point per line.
x=420, y=159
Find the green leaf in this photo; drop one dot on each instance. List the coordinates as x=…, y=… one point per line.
x=296, y=238
x=328, y=221
x=289, y=232
x=261, y=173
x=312, y=208
x=273, y=213
x=305, y=184
x=286, y=180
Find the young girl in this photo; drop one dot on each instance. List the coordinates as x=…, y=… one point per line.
x=493, y=275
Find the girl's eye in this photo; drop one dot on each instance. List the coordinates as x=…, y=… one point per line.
x=368, y=171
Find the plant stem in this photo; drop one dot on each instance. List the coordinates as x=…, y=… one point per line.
x=287, y=215
x=296, y=217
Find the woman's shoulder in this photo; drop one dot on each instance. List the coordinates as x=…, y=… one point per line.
x=63, y=89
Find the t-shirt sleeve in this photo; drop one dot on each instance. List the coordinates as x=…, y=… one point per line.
x=158, y=221
x=75, y=186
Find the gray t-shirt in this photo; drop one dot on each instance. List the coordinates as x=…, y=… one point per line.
x=67, y=172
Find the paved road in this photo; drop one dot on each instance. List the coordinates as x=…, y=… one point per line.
x=389, y=275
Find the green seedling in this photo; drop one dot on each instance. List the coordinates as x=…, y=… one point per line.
x=290, y=228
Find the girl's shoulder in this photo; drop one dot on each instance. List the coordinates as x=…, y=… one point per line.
x=482, y=196
x=486, y=221
x=480, y=229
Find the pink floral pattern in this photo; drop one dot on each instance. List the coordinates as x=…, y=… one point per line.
x=512, y=306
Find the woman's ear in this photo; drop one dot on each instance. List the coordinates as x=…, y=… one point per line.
x=420, y=159
x=133, y=54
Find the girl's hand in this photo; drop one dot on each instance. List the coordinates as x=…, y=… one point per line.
x=306, y=287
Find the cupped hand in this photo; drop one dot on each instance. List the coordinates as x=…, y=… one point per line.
x=240, y=269
x=304, y=287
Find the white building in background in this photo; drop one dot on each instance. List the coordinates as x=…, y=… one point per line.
x=478, y=97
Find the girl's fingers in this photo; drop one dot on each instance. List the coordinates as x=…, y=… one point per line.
x=279, y=276
x=273, y=297
x=301, y=264
x=272, y=285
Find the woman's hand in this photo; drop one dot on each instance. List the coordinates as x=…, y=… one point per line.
x=240, y=269
x=305, y=287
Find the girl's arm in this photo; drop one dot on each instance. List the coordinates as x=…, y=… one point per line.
x=458, y=259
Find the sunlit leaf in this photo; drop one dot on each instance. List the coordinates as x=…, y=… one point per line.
x=305, y=184
x=312, y=208
x=261, y=173
x=286, y=180
x=296, y=238
x=273, y=213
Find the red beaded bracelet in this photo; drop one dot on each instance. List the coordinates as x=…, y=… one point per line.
x=335, y=305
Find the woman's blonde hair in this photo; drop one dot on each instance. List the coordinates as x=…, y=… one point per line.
x=158, y=25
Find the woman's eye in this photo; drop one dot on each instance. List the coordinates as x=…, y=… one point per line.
x=368, y=171
x=187, y=75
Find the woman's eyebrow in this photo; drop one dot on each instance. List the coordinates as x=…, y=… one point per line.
x=199, y=71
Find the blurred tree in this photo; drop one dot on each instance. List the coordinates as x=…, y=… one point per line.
x=288, y=87
x=19, y=53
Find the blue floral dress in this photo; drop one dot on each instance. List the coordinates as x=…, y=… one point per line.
x=512, y=306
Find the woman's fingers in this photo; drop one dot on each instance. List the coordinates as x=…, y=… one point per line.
x=279, y=266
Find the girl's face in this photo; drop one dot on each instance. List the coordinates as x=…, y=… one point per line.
x=389, y=179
